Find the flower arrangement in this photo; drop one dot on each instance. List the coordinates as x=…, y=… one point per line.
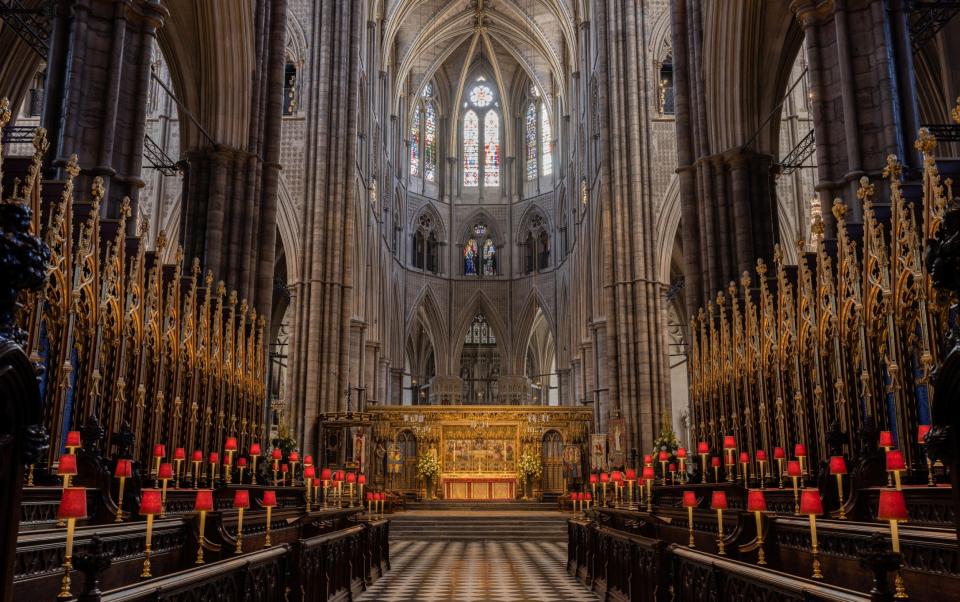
x=529, y=466
x=428, y=466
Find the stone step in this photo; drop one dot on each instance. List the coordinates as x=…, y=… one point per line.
x=486, y=525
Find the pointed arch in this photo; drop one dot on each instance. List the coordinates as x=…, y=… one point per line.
x=480, y=303
x=534, y=302
x=427, y=311
x=668, y=223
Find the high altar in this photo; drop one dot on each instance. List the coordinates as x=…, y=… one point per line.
x=477, y=446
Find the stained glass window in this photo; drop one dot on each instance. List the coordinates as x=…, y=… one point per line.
x=480, y=332
x=481, y=96
x=430, y=143
x=491, y=144
x=427, y=90
x=531, y=141
x=534, y=91
x=415, y=143
x=471, y=149
x=489, y=258
x=546, y=137
x=471, y=257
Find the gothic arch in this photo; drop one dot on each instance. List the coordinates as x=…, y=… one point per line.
x=426, y=309
x=480, y=303
x=288, y=224
x=493, y=229
x=526, y=222
x=668, y=224
x=438, y=225
x=524, y=326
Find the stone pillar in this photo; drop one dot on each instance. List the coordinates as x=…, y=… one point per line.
x=98, y=78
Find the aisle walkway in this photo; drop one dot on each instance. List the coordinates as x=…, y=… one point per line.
x=462, y=571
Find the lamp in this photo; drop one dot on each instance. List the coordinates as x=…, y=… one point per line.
x=230, y=448
x=151, y=503
x=703, y=448
x=895, y=464
x=718, y=502
x=269, y=501
x=159, y=452
x=241, y=501
x=887, y=443
x=757, y=503
x=647, y=460
x=73, y=505
x=812, y=505
x=672, y=467
x=589, y=498
x=744, y=464
x=197, y=461
x=630, y=477
x=682, y=458
x=370, y=503
x=325, y=477
x=715, y=462
x=893, y=508
x=800, y=451
x=164, y=474
x=284, y=471
x=309, y=474
x=922, y=431
x=179, y=456
x=73, y=441
x=293, y=459
x=794, y=471
x=276, y=456
x=351, y=480
x=254, y=454
x=779, y=455
x=762, y=460
x=203, y=504
x=593, y=482
x=67, y=468
x=241, y=466
x=663, y=457
x=123, y=471
x=839, y=467
x=729, y=447
x=690, y=502
x=214, y=460
x=648, y=477
x=361, y=481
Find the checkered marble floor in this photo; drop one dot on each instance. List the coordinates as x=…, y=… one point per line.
x=458, y=570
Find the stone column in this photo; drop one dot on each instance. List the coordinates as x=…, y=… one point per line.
x=98, y=77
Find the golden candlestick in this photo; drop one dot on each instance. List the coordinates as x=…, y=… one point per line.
x=163, y=498
x=721, y=549
x=228, y=467
x=146, y=550
x=30, y=476
x=196, y=472
x=763, y=473
x=780, y=471
x=843, y=512
x=813, y=547
x=683, y=471
x=253, y=470
x=176, y=473
x=239, y=549
x=266, y=541
x=796, y=497
x=67, y=561
x=746, y=473
x=691, y=543
x=761, y=557
x=119, y=518
x=156, y=472
x=663, y=471
x=703, y=458
x=308, y=481
x=240, y=478
x=203, y=523
x=649, y=495
x=729, y=464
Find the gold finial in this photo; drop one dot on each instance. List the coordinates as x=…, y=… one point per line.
x=721, y=300
x=761, y=268
x=161, y=241
x=98, y=190
x=732, y=289
x=839, y=209
x=253, y=315
x=232, y=299
x=5, y=113
x=955, y=113
x=195, y=267
x=179, y=255
x=777, y=254
x=866, y=190
x=125, y=208
x=893, y=169
x=73, y=167
x=745, y=279
x=221, y=288
x=208, y=279
x=40, y=142
x=801, y=246
x=926, y=143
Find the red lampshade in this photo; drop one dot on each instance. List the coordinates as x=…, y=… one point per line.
x=682, y=453
x=276, y=454
x=744, y=458
x=588, y=495
x=309, y=472
x=593, y=478
x=284, y=468
x=159, y=450
x=715, y=462
x=631, y=474
x=672, y=467
x=729, y=442
x=886, y=439
x=761, y=455
x=241, y=462
x=325, y=474
x=254, y=449
x=338, y=475
x=293, y=457
x=73, y=439
x=214, y=457
x=604, y=477
x=793, y=468
x=648, y=459
x=664, y=456
x=369, y=496
x=351, y=477
x=150, y=501
x=230, y=445
x=308, y=460
x=204, y=501
x=124, y=468
x=689, y=499
x=166, y=471
x=922, y=431
x=241, y=499
x=756, y=502
x=68, y=465
x=197, y=455
x=895, y=460
x=362, y=479
x=616, y=477
x=778, y=453
x=718, y=501
x=838, y=465
x=703, y=447
x=179, y=454
x=893, y=506
x=269, y=498
x=810, y=502
x=73, y=503
x=800, y=450
x=648, y=473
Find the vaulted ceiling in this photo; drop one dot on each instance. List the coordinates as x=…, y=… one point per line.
x=445, y=40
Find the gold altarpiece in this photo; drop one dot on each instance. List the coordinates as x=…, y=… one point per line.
x=477, y=446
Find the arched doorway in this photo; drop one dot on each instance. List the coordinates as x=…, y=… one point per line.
x=407, y=444
x=552, y=451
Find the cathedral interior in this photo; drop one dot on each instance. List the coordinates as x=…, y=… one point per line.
x=479, y=300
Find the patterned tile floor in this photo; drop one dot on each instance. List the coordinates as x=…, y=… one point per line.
x=457, y=570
